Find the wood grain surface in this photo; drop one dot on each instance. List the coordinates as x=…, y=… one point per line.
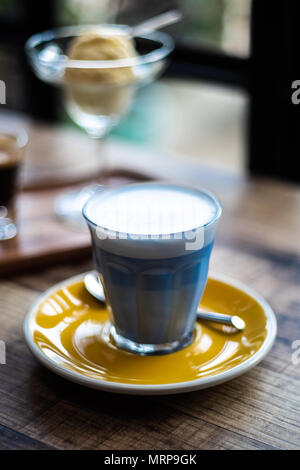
x=258, y=242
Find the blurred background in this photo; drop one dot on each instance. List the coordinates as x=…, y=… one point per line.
x=223, y=100
x=182, y=113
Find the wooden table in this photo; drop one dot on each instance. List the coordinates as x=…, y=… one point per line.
x=258, y=242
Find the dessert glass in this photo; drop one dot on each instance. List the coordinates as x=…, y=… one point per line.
x=95, y=107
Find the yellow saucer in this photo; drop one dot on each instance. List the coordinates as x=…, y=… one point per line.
x=66, y=330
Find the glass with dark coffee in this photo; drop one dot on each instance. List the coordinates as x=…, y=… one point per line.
x=12, y=146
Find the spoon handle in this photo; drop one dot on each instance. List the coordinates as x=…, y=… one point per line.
x=213, y=316
x=223, y=318
x=159, y=21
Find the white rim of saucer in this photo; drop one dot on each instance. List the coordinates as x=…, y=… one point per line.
x=157, y=389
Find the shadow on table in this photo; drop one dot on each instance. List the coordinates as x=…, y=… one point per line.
x=44, y=382
x=68, y=416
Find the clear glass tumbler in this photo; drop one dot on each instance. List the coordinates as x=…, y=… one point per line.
x=153, y=279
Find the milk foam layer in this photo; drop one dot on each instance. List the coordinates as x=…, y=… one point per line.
x=152, y=220
x=152, y=209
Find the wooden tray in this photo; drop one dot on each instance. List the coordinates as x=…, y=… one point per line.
x=42, y=238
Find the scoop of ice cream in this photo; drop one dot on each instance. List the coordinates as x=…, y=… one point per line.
x=101, y=45
x=100, y=91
